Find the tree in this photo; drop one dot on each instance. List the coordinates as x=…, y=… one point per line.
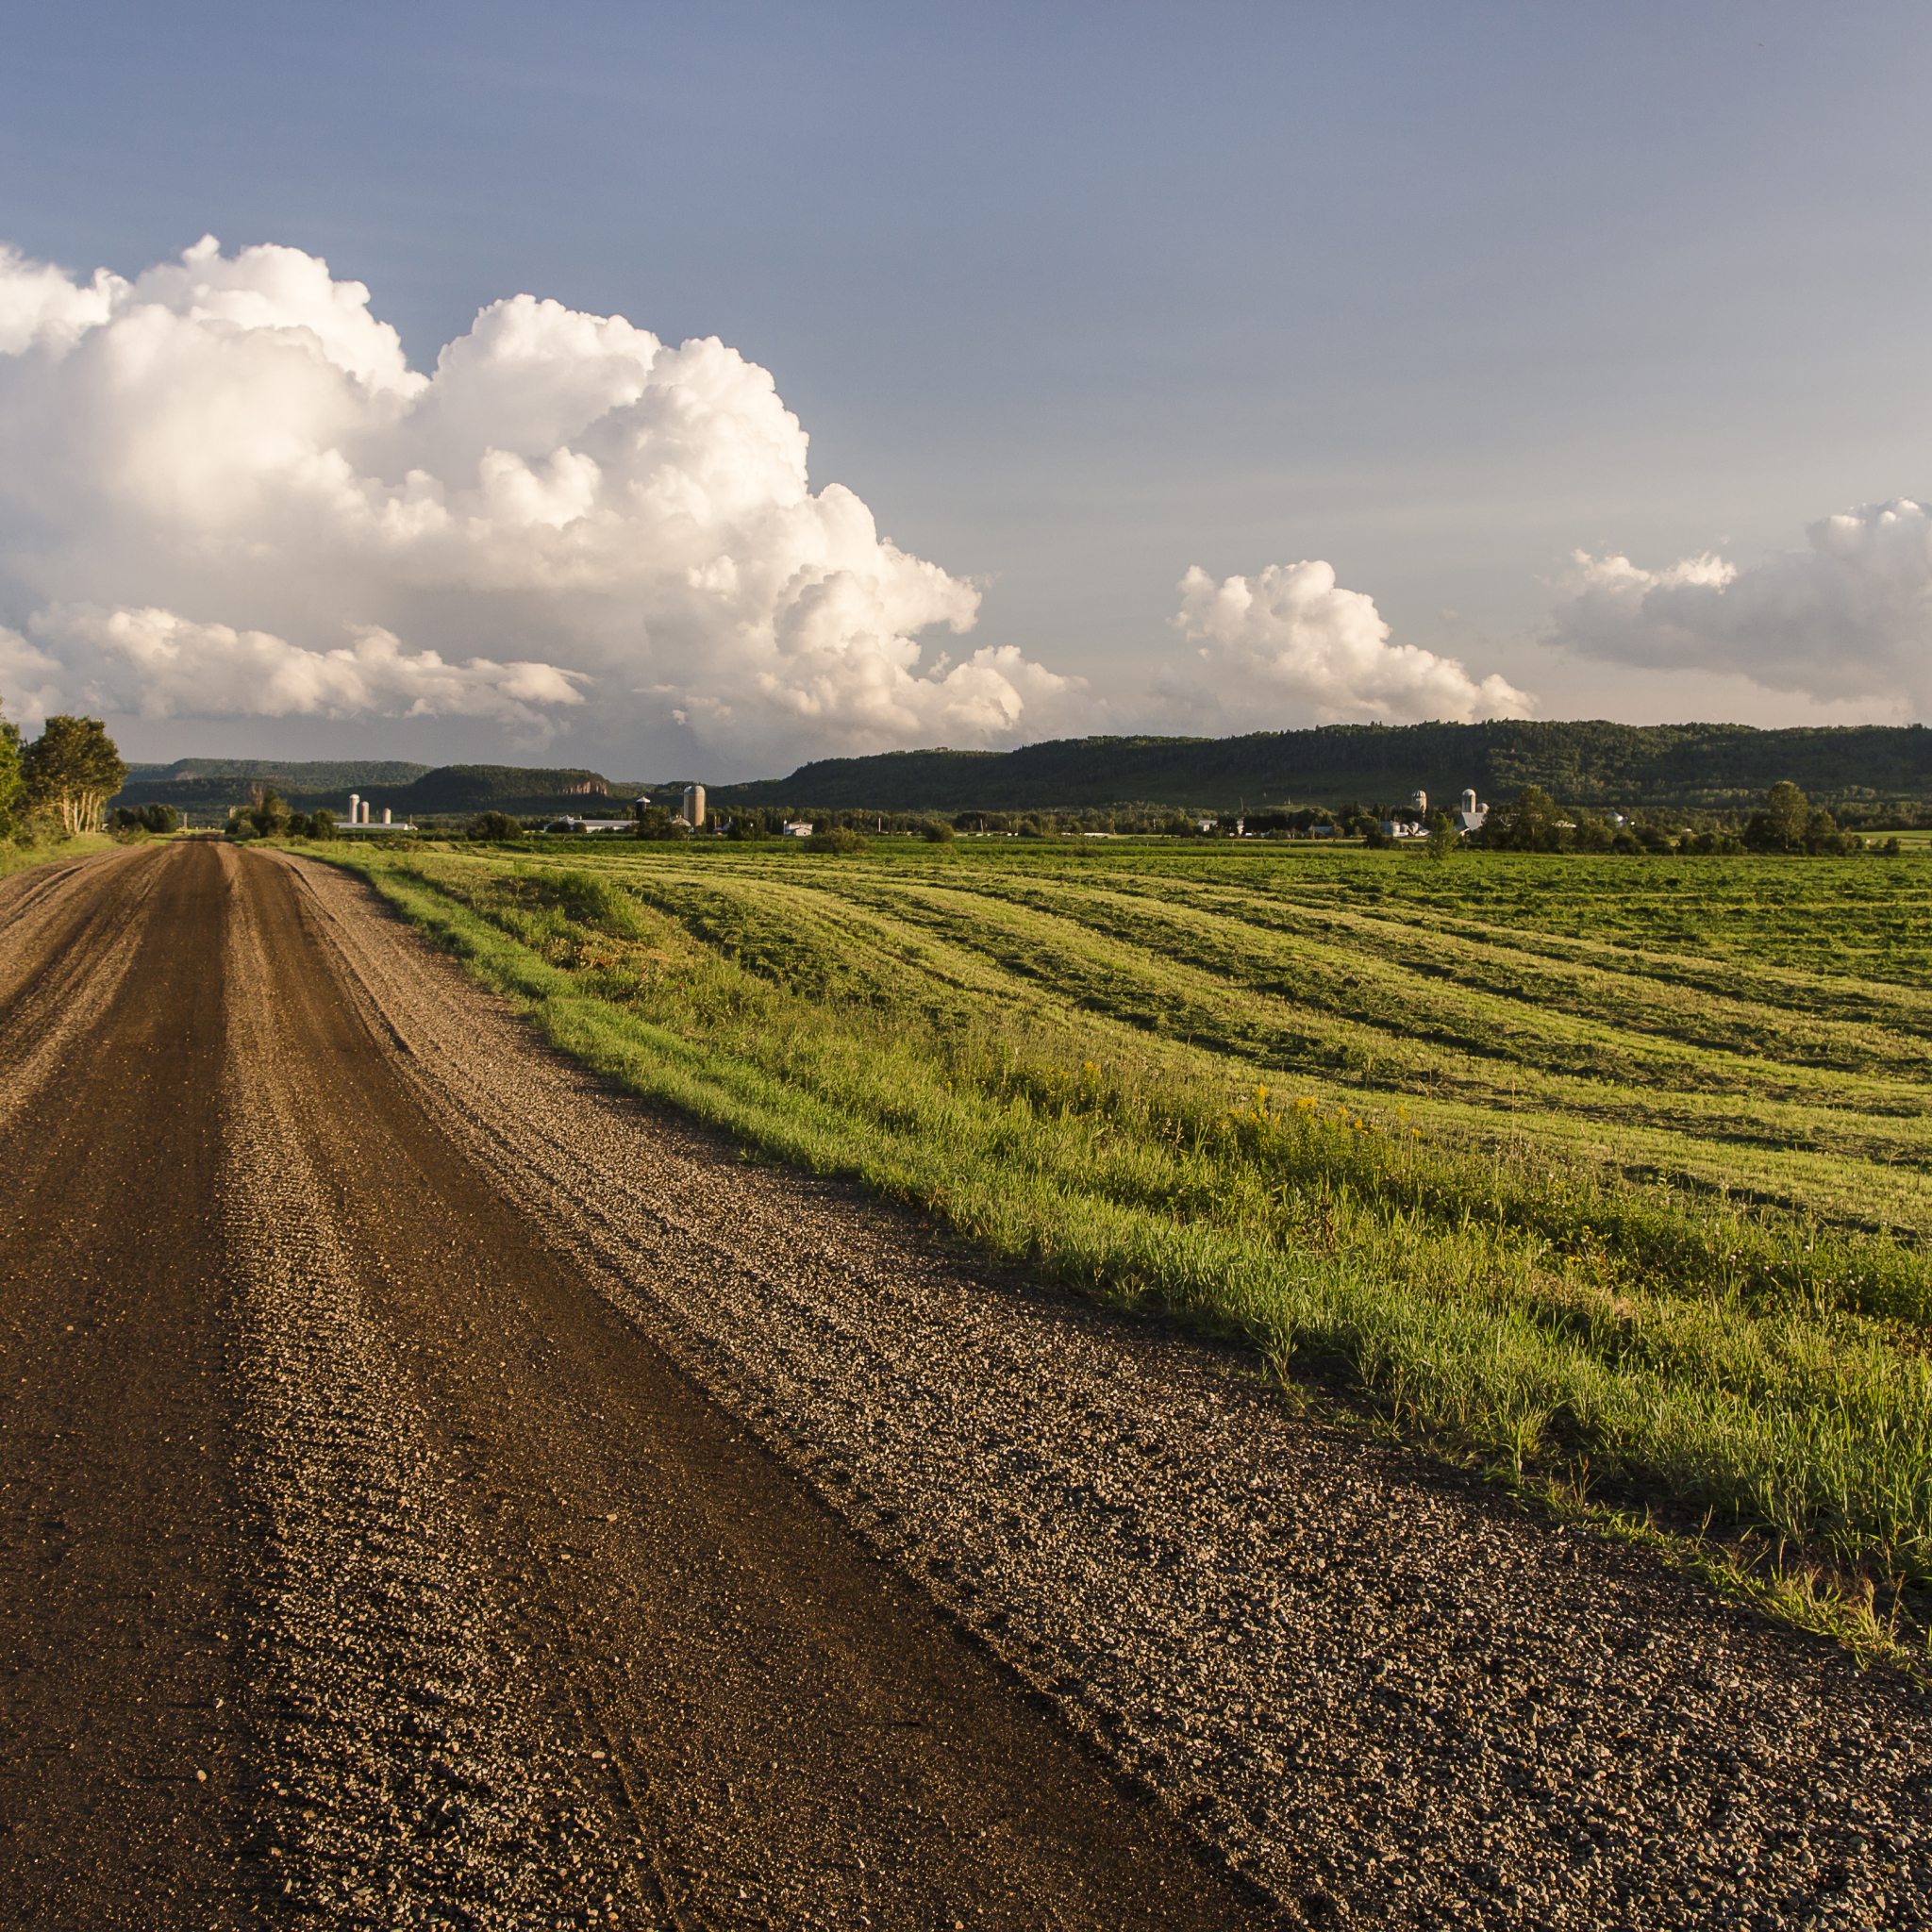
x=267, y=814
x=936, y=832
x=73, y=769
x=843, y=839
x=1528, y=825
x=1786, y=814
x=13, y=787
x=1442, y=834
x=654, y=822
x=496, y=826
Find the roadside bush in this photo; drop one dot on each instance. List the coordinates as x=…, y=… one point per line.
x=835, y=839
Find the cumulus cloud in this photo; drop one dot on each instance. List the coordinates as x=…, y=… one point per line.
x=1292, y=646
x=151, y=663
x=1850, y=617
x=223, y=492
x=29, y=681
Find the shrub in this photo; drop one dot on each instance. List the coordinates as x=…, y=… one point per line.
x=146, y=818
x=936, y=832
x=497, y=825
x=835, y=839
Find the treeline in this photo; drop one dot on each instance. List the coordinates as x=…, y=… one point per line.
x=1785, y=821
x=1870, y=772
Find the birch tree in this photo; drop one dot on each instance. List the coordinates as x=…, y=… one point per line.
x=73, y=769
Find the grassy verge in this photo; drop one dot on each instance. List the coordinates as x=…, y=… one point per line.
x=1572, y=1333
x=15, y=859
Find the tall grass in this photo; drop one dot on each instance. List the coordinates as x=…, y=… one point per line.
x=1545, y=1320
x=18, y=857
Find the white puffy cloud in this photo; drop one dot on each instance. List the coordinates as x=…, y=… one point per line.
x=1851, y=617
x=29, y=682
x=1292, y=646
x=151, y=663
x=223, y=492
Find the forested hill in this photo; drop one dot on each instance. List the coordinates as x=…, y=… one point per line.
x=305, y=775
x=211, y=786
x=1579, y=763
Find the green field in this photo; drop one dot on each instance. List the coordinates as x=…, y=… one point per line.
x=1613, y=1174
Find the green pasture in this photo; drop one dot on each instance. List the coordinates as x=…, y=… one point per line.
x=1611, y=1172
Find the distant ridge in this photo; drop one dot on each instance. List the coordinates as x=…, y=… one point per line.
x=416, y=792
x=1582, y=763
x=1714, y=767
x=312, y=775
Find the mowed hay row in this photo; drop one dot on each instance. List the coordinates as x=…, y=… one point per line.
x=1507, y=1293
x=1465, y=1066
x=1775, y=1012
x=1225, y=1001
x=1402, y=1007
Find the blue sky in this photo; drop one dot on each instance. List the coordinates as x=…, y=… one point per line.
x=1076, y=298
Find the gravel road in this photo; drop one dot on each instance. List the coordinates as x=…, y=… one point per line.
x=441, y=1489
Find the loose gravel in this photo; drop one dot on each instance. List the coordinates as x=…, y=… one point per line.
x=405, y=1775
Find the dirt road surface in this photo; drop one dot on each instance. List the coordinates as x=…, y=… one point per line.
x=441, y=1492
